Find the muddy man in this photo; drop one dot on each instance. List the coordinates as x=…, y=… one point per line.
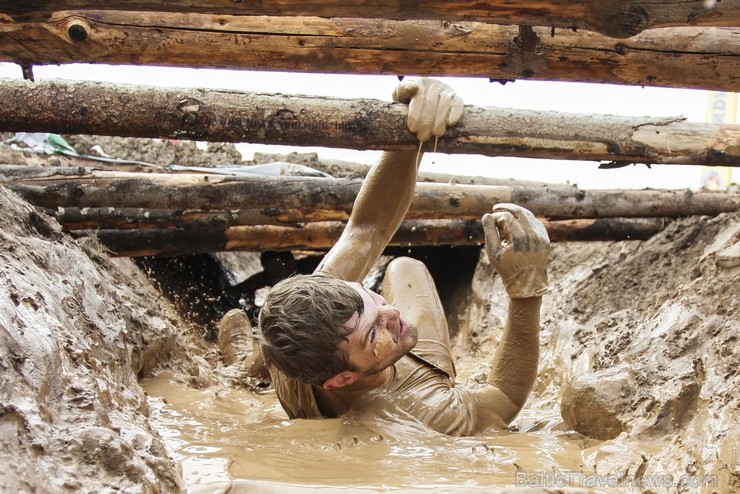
x=331, y=344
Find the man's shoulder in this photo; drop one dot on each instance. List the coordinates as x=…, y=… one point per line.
x=297, y=398
x=413, y=373
x=435, y=355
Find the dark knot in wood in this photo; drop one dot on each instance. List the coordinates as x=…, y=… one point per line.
x=77, y=32
x=526, y=56
x=625, y=23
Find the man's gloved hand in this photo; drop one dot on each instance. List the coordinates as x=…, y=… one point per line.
x=518, y=248
x=433, y=106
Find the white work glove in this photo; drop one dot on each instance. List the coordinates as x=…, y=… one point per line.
x=518, y=248
x=433, y=106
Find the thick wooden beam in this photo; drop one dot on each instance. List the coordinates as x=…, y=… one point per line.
x=231, y=116
x=300, y=199
x=305, y=235
x=321, y=236
x=617, y=18
x=690, y=57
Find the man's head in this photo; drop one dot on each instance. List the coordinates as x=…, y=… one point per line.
x=328, y=332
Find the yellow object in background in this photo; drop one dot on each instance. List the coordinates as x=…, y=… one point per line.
x=722, y=108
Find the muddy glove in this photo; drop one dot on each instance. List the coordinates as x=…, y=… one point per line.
x=518, y=248
x=433, y=106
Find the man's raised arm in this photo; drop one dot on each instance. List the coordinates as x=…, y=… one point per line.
x=386, y=193
x=518, y=247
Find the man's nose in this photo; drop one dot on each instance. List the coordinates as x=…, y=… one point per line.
x=390, y=313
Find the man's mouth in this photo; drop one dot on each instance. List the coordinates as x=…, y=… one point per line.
x=403, y=328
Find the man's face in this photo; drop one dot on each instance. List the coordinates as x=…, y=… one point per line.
x=380, y=335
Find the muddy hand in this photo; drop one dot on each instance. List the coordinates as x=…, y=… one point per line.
x=433, y=106
x=518, y=248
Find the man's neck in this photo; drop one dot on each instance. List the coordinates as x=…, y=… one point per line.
x=340, y=400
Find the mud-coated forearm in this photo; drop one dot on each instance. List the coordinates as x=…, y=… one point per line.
x=386, y=193
x=514, y=366
x=382, y=203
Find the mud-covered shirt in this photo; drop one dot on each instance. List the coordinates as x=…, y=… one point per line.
x=423, y=385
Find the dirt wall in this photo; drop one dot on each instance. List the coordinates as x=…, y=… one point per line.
x=639, y=349
x=76, y=328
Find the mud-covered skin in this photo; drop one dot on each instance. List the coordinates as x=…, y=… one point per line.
x=518, y=248
x=388, y=188
x=422, y=382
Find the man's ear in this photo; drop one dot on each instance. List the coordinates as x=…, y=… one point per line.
x=344, y=378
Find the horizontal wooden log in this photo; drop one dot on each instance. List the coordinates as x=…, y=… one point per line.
x=111, y=218
x=76, y=219
x=300, y=199
x=47, y=165
x=321, y=236
x=618, y=18
x=691, y=57
x=232, y=116
x=73, y=218
x=601, y=229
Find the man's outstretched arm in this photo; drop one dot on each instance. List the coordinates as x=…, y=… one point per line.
x=380, y=206
x=518, y=248
x=386, y=193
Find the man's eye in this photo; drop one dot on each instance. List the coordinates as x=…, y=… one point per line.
x=373, y=333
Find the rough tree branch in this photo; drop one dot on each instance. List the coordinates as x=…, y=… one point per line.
x=617, y=18
x=299, y=199
x=232, y=116
x=691, y=57
x=321, y=236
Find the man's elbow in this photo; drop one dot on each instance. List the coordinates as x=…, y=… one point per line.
x=501, y=408
x=511, y=409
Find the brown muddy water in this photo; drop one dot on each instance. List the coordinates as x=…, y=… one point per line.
x=235, y=440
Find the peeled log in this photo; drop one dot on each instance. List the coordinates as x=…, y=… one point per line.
x=231, y=116
x=321, y=236
x=690, y=57
x=289, y=199
x=617, y=18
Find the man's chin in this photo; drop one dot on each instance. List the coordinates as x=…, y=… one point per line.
x=412, y=336
x=409, y=341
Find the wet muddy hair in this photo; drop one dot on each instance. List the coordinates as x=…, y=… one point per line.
x=302, y=324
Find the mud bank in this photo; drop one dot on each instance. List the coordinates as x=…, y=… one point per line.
x=638, y=380
x=639, y=350
x=76, y=329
